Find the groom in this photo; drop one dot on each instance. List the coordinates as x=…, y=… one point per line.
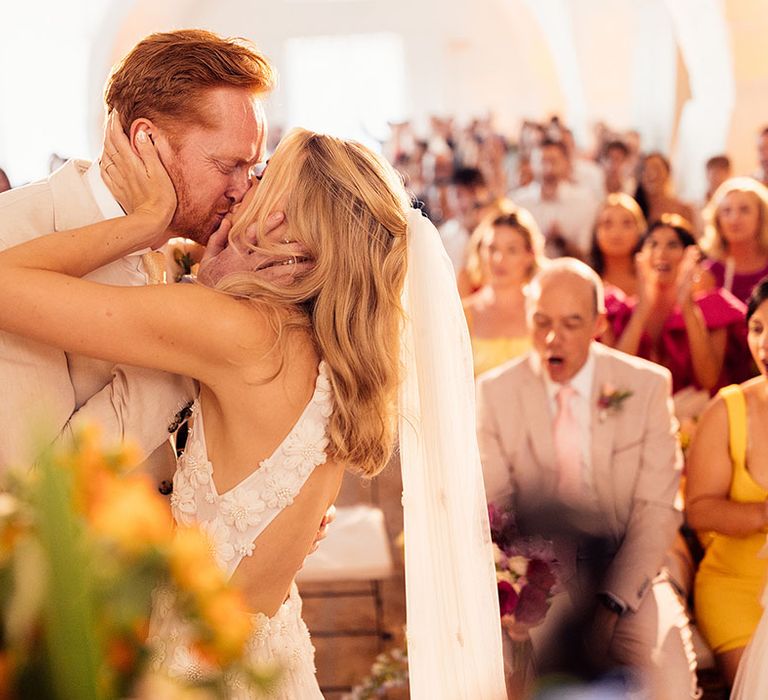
x=197, y=96
x=581, y=439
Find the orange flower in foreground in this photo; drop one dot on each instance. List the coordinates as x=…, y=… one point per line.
x=6, y=676
x=192, y=565
x=229, y=618
x=122, y=655
x=130, y=512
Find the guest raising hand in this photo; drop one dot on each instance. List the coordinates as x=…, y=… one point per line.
x=670, y=322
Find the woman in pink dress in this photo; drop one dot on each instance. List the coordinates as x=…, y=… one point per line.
x=670, y=322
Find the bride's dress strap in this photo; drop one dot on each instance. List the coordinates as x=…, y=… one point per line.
x=234, y=519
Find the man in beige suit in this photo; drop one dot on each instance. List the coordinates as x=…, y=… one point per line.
x=581, y=440
x=196, y=96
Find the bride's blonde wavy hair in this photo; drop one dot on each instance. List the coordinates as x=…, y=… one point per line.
x=347, y=206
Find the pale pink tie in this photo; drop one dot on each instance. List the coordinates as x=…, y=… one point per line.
x=568, y=446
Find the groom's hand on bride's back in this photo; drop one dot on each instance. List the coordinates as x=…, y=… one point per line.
x=322, y=532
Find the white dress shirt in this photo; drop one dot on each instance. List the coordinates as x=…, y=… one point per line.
x=105, y=200
x=573, y=211
x=455, y=239
x=88, y=375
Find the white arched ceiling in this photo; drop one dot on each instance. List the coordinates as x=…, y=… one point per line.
x=592, y=59
x=748, y=28
x=646, y=66
x=555, y=20
x=476, y=58
x=44, y=59
x=702, y=34
x=124, y=24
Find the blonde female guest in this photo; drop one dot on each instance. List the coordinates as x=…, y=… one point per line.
x=726, y=497
x=736, y=236
x=299, y=380
x=506, y=251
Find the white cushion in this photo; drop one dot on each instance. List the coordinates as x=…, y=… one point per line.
x=356, y=548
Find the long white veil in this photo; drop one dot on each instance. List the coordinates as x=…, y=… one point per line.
x=454, y=633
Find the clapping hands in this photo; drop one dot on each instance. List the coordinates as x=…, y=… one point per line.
x=647, y=279
x=688, y=275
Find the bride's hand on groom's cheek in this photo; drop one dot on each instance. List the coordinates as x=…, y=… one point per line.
x=137, y=178
x=282, y=259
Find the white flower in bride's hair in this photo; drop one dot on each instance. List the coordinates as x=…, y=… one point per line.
x=242, y=509
x=305, y=447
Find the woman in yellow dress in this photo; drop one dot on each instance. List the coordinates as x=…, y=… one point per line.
x=726, y=492
x=505, y=251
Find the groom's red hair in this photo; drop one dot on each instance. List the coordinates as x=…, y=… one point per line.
x=166, y=76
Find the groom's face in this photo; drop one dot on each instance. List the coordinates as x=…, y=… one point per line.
x=210, y=167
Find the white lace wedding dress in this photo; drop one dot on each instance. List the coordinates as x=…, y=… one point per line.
x=233, y=520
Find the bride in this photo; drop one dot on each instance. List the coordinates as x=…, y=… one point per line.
x=302, y=376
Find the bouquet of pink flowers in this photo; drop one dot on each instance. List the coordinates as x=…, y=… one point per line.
x=526, y=570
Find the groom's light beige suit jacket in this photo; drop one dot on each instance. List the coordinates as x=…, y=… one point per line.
x=636, y=462
x=47, y=393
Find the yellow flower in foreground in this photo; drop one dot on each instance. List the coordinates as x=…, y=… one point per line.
x=130, y=512
x=192, y=565
x=229, y=618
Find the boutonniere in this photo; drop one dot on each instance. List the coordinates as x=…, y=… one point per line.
x=611, y=400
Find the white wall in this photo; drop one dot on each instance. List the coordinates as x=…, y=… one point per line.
x=587, y=59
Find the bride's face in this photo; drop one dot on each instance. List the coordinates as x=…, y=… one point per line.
x=276, y=267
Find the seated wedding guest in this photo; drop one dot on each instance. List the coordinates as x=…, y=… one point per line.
x=654, y=190
x=583, y=171
x=509, y=253
x=564, y=211
x=582, y=431
x=736, y=236
x=717, y=170
x=437, y=168
x=469, y=196
x=670, y=322
x=727, y=502
x=614, y=160
x=762, y=156
x=618, y=229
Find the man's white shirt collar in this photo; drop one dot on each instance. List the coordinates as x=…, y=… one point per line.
x=108, y=206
